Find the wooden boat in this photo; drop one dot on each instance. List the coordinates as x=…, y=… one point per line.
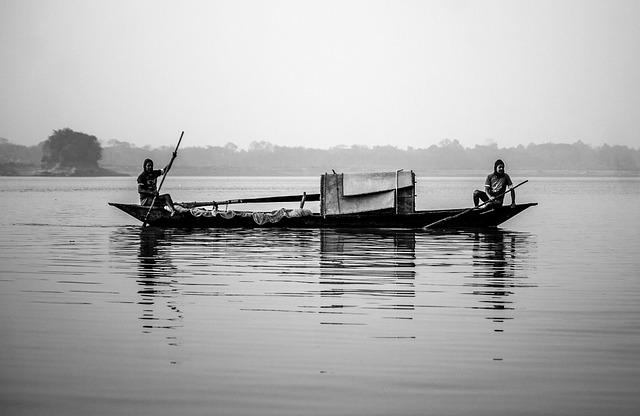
x=380, y=200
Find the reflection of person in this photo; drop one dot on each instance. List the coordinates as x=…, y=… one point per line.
x=493, y=272
x=148, y=190
x=495, y=187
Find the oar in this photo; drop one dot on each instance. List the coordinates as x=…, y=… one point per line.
x=471, y=209
x=283, y=198
x=153, y=201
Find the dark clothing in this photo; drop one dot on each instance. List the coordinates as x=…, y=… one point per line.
x=497, y=184
x=482, y=196
x=147, y=187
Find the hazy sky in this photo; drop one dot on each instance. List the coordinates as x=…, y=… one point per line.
x=322, y=73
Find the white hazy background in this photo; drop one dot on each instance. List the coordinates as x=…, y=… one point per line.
x=322, y=73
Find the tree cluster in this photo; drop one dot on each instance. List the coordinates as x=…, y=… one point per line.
x=67, y=148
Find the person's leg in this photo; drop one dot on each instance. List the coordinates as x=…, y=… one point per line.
x=166, y=198
x=495, y=204
x=479, y=195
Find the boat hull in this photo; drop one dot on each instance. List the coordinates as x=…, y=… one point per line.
x=158, y=217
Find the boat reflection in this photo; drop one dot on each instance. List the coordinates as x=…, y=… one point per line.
x=379, y=278
x=154, y=274
x=379, y=253
x=499, y=267
x=158, y=288
x=367, y=269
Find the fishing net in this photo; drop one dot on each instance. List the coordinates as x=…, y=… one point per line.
x=260, y=218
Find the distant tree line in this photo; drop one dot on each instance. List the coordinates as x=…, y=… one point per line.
x=17, y=159
x=446, y=157
x=66, y=148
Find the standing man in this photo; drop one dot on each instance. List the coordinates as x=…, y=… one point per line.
x=147, y=188
x=495, y=187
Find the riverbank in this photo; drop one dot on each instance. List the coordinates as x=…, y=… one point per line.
x=21, y=169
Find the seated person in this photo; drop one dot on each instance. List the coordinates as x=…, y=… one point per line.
x=496, y=186
x=148, y=190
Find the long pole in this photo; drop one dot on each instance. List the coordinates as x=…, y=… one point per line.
x=283, y=198
x=153, y=201
x=433, y=224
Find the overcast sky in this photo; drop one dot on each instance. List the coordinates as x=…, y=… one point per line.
x=322, y=73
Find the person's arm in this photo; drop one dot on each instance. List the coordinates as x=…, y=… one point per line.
x=166, y=168
x=489, y=192
x=487, y=188
x=513, y=191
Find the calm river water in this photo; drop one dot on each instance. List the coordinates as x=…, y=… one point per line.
x=101, y=317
